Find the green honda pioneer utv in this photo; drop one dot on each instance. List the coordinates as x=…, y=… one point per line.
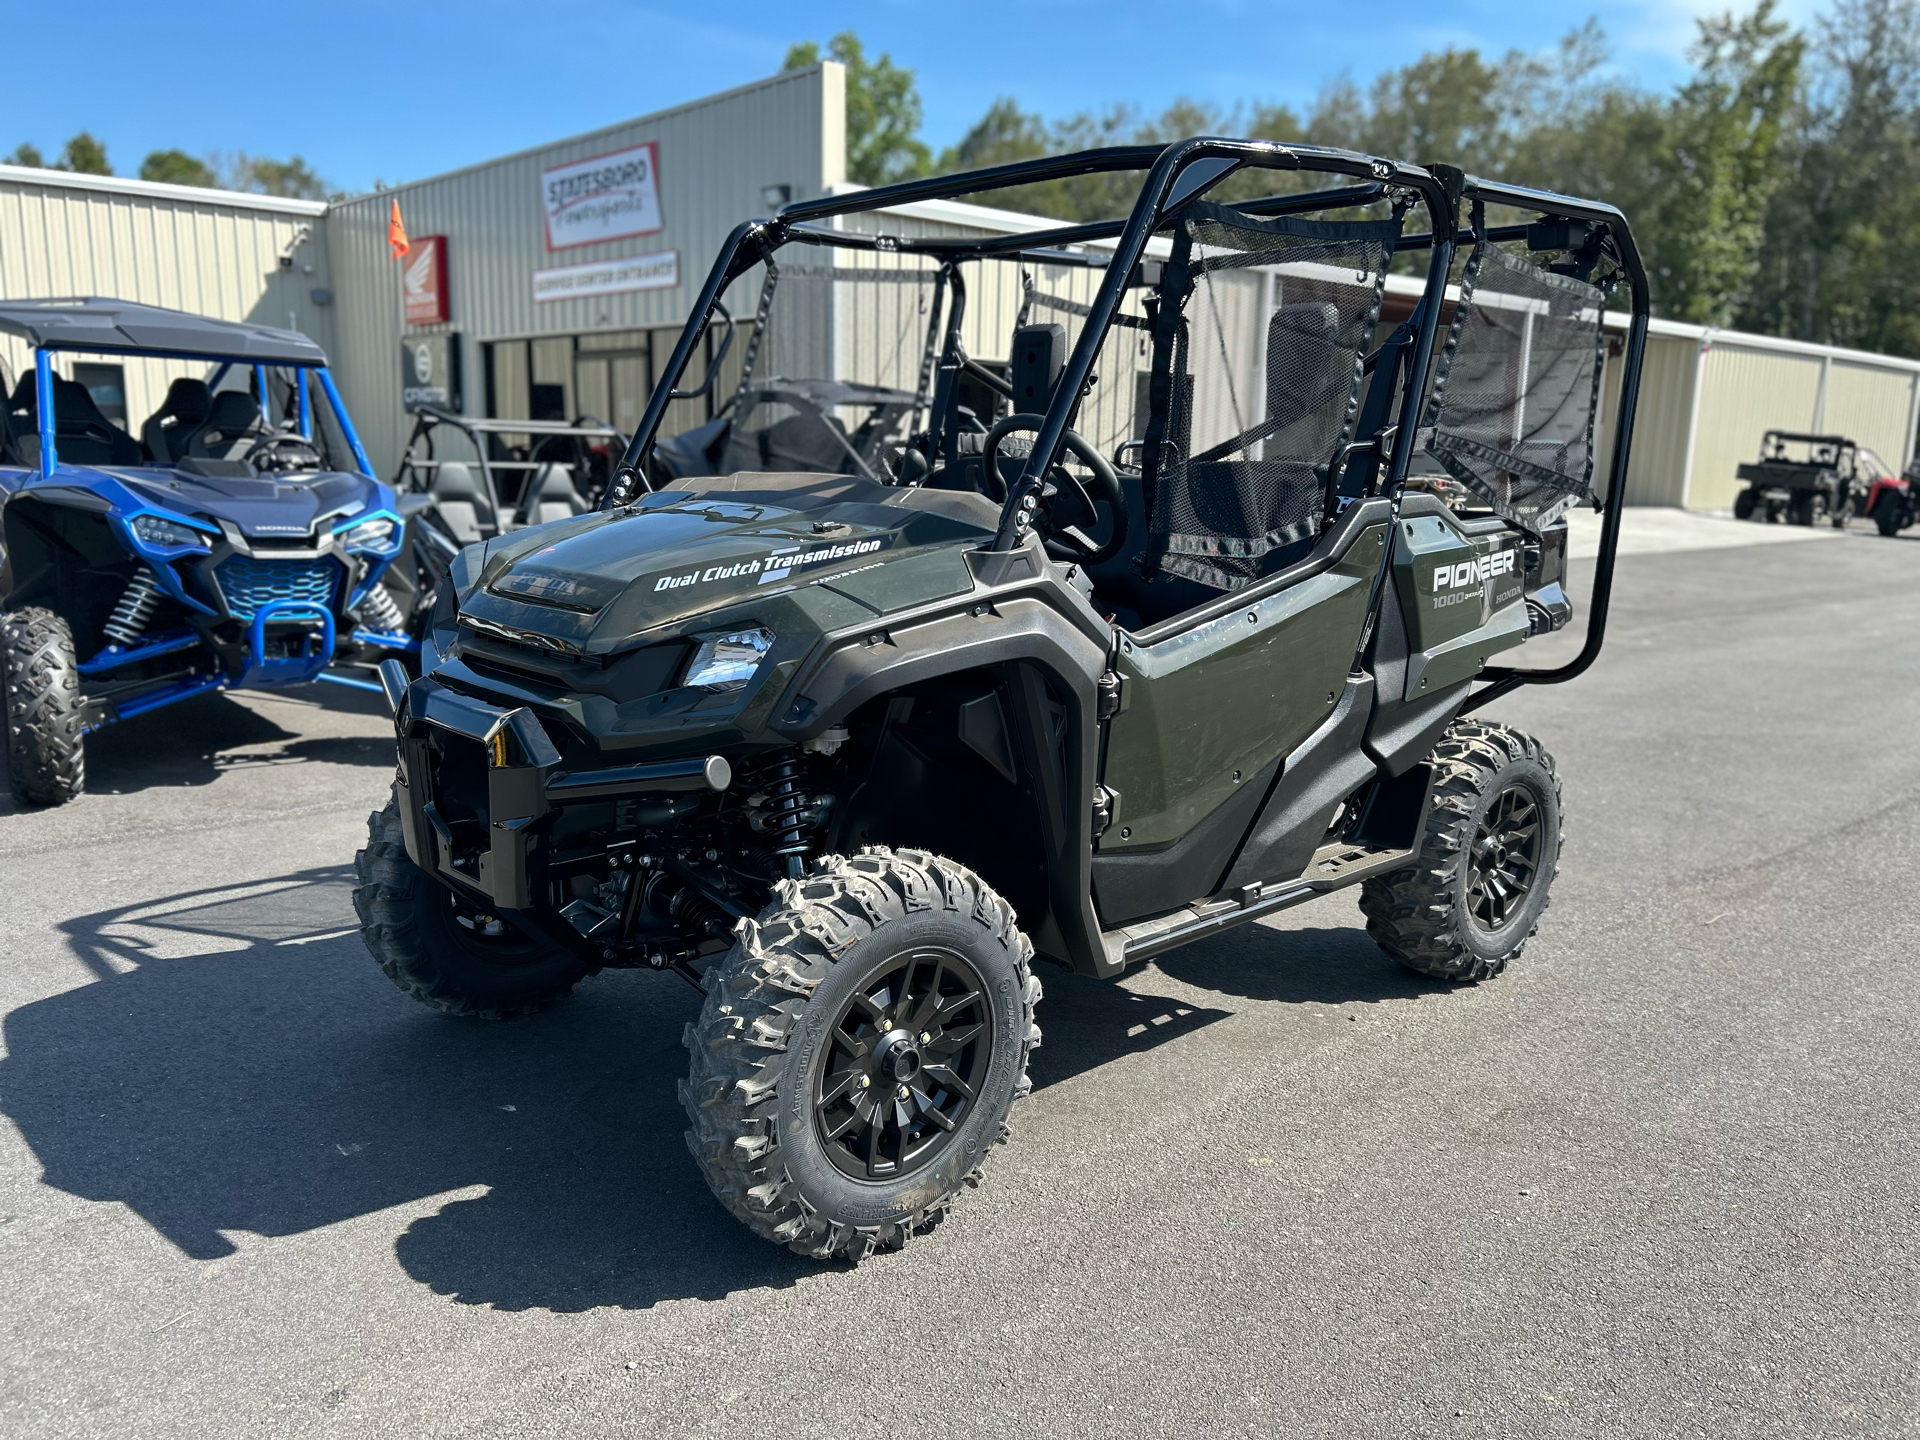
x=1061, y=592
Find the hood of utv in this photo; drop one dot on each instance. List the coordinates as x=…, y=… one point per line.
x=588, y=583
x=265, y=506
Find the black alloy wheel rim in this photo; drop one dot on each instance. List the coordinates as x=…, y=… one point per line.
x=906, y=1058
x=1505, y=859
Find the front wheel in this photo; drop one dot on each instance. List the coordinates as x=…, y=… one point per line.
x=442, y=948
x=1490, y=849
x=45, y=711
x=1743, y=504
x=1888, y=517
x=859, y=1051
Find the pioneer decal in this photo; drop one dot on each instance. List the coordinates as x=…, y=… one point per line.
x=774, y=566
x=1466, y=583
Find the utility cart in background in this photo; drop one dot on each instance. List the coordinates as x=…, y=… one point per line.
x=1129, y=634
x=240, y=541
x=489, y=476
x=1804, y=479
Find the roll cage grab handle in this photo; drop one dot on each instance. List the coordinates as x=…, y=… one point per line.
x=1441, y=189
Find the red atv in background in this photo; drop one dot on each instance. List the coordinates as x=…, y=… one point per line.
x=1894, y=503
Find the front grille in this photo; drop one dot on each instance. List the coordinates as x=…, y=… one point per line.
x=249, y=582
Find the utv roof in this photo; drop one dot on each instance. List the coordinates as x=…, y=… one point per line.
x=102, y=325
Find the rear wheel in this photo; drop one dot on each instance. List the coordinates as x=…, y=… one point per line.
x=1888, y=515
x=45, y=712
x=1474, y=893
x=859, y=1051
x=442, y=948
x=1743, y=504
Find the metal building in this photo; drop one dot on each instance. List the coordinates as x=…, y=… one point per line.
x=551, y=283
x=232, y=257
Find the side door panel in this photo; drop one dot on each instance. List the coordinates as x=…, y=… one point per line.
x=1204, y=711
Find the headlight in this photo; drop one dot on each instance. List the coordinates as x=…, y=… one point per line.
x=166, y=534
x=727, y=662
x=376, y=534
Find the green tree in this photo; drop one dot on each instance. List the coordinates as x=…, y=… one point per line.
x=84, y=155
x=883, y=111
x=292, y=178
x=1842, y=255
x=176, y=167
x=1723, y=163
x=27, y=154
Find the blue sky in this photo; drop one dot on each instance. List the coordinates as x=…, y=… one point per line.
x=399, y=91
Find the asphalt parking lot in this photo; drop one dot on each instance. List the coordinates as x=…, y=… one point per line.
x=1658, y=1180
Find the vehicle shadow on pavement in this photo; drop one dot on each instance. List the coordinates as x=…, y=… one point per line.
x=196, y=741
x=240, y=1065
x=1336, y=965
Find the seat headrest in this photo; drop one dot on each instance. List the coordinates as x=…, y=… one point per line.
x=1039, y=355
x=73, y=403
x=188, y=400
x=232, y=412
x=453, y=480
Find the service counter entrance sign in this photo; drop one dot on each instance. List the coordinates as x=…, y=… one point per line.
x=430, y=372
x=607, y=197
x=423, y=275
x=609, y=277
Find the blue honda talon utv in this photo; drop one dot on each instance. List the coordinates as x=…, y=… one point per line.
x=240, y=541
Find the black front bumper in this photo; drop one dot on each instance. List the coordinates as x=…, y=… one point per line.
x=525, y=782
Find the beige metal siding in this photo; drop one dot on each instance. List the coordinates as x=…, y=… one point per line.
x=1657, y=463
x=1873, y=407
x=192, y=250
x=1745, y=393
x=715, y=156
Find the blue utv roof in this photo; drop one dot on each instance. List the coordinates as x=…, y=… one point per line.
x=102, y=325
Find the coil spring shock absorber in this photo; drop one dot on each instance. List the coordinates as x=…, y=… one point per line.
x=786, y=805
x=378, y=611
x=133, y=609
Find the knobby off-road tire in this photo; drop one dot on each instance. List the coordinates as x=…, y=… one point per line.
x=1744, y=503
x=778, y=1038
x=1429, y=915
x=45, y=712
x=1887, y=516
x=442, y=951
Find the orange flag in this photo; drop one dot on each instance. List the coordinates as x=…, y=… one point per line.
x=397, y=233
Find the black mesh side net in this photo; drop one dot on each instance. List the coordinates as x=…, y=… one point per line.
x=1517, y=388
x=1263, y=327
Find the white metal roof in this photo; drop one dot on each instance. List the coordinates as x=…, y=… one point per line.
x=154, y=190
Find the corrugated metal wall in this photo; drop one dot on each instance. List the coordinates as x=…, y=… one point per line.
x=203, y=251
x=1743, y=394
x=1873, y=406
x=1656, y=470
x=715, y=156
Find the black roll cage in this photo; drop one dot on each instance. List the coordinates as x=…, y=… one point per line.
x=1177, y=173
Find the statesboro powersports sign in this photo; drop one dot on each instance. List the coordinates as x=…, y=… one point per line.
x=607, y=197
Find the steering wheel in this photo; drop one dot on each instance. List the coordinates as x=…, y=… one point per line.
x=1065, y=540
x=264, y=453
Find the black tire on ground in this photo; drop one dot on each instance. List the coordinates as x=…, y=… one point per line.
x=839, y=983
x=1843, y=512
x=1743, y=504
x=442, y=950
x=45, y=711
x=1888, y=516
x=1474, y=893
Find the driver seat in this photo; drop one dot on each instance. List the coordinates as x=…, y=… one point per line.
x=233, y=416
x=186, y=406
x=82, y=435
x=460, y=503
x=552, y=495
